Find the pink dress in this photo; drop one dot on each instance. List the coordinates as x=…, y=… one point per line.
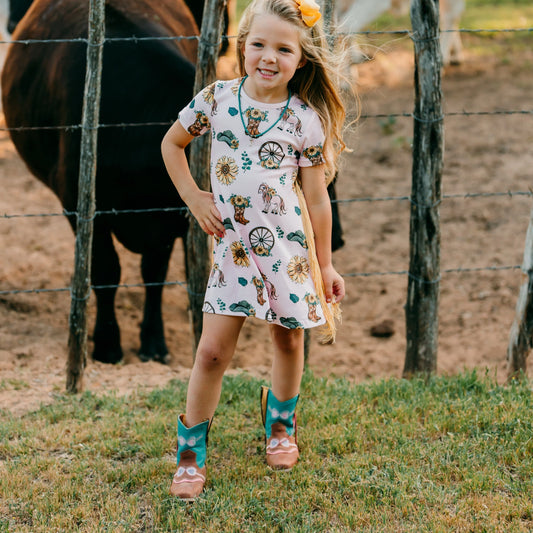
x=261, y=266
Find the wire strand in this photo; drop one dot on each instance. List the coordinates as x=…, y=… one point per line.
x=168, y=123
x=134, y=39
x=464, y=196
x=183, y=284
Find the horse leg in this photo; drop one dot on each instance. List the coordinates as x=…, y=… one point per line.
x=154, y=267
x=105, y=271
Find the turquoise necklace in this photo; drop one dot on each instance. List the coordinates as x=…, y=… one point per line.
x=242, y=118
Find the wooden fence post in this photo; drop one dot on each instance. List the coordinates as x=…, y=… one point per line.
x=81, y=283
x=198, y=249
x=329, y=22
x=422, y=305
x=520, y=339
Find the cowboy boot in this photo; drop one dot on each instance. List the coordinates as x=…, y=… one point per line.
x=279, y=419
x=189, y=479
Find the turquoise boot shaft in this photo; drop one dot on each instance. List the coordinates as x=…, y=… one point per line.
x=275, y=411
x=279, y=419
x=193, y=439
x=189, y=479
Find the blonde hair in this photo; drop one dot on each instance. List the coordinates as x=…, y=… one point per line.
x=316, y=81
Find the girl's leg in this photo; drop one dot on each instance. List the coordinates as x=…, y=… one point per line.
x=278, y=405
x=215, y=350
x=214, y=353
x=288, y=362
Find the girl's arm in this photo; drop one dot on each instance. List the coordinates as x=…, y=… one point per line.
x=318, y=204
x=201, y=203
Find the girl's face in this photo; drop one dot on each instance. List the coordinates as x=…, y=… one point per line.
x=272, y=53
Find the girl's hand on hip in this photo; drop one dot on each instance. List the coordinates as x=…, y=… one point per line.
x=206, y=213
x=333, y=284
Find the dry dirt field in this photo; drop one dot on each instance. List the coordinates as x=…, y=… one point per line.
x=484, y=154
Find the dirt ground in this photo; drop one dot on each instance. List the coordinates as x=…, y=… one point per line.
x=484, y=154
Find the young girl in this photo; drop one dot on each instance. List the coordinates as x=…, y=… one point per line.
x=276, y=133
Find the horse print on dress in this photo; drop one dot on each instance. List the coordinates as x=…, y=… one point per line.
x=199, y=125
x=216, y=278
x=273, y=202
x=290, y=122
x=255, y=117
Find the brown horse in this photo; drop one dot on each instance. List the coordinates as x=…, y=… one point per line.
x=142, y=81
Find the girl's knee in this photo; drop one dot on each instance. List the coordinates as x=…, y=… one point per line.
x=288, y=340
x=211, y=358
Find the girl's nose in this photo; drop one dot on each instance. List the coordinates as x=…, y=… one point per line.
x=269, y=56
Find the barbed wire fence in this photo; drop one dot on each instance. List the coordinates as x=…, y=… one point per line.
x=411, y=115
x=406, y=114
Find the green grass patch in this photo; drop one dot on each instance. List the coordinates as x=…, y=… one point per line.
x=478, y=14
x=446, y=454
x=13, y=384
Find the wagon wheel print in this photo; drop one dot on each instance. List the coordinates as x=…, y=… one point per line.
x=208, y=308
x=261, y=240
x=273, y=151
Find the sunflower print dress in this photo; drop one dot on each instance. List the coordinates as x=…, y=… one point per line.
x=261, y=265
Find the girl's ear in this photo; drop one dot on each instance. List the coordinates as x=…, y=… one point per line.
x=302, y=62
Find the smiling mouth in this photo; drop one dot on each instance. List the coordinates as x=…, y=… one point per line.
x=267, y=72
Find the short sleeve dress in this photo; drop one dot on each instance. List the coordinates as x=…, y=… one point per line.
x=261, y=265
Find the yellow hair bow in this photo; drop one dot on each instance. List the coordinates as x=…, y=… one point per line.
x=310, y=11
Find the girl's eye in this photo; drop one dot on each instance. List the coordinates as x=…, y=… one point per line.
x=285, y=50
x=257, y=45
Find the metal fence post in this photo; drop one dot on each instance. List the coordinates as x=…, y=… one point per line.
x=81, y=283
x=422, y=305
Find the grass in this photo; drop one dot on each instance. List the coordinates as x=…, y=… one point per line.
x=447, y=454
x=478, y=14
